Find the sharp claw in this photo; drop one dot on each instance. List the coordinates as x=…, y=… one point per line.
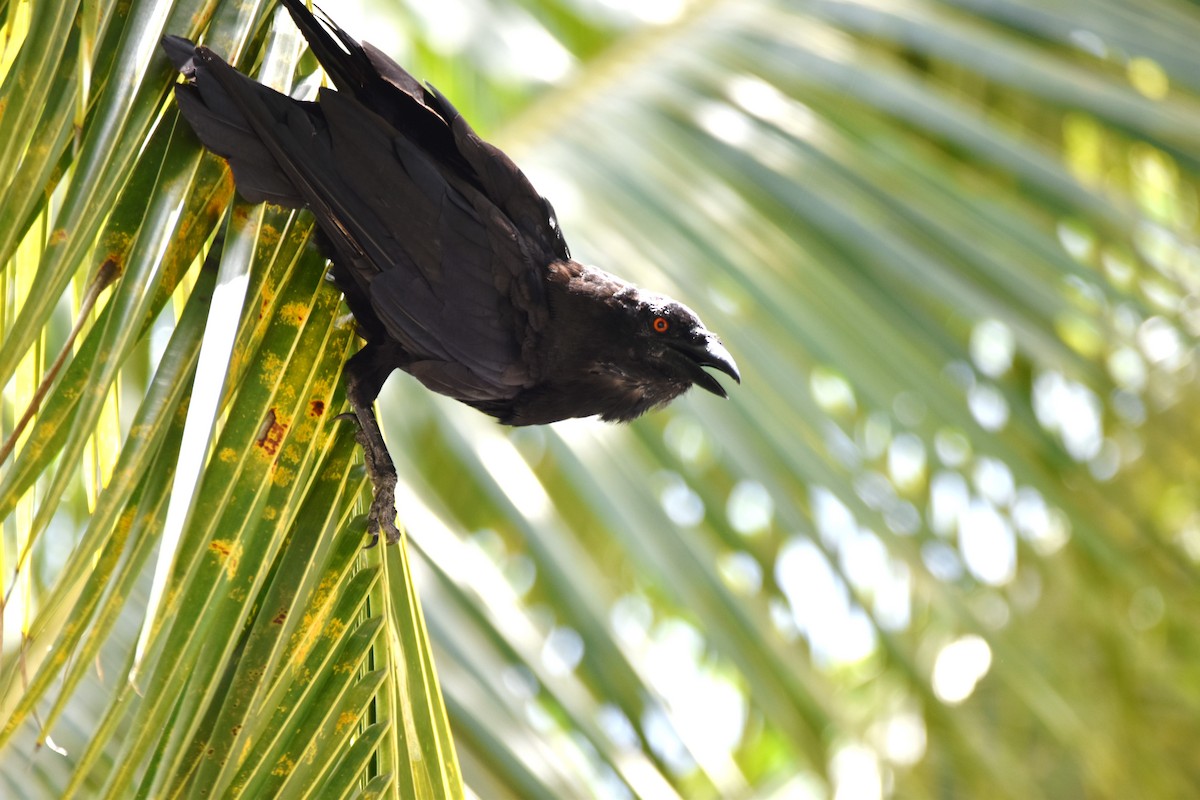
x=391, y=534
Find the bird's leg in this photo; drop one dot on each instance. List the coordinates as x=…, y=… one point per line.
x=361, y=389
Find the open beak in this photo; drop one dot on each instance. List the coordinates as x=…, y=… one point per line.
x=708, y=352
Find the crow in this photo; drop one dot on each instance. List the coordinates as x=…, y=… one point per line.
x=451, y=263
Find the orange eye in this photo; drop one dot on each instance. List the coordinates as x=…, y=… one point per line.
x=660, y=324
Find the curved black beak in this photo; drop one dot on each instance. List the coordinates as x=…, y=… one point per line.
x=707, y=351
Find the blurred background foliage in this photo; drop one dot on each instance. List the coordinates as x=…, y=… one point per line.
x=942, y=541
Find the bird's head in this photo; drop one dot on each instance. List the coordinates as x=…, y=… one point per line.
x=675, y=342
x=619, y=351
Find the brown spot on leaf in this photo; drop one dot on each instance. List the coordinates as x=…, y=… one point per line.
x=316, y=408
x=229, y=554
x=279, y=618
x=270, y=435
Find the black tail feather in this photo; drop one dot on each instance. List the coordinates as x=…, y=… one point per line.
x=213, y=101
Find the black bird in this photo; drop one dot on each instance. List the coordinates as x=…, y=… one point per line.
x=452, y=264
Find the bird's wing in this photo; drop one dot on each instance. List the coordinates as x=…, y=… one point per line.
x=443, y=269
x=503, y=181
x=426, y=117
x=450, y=276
